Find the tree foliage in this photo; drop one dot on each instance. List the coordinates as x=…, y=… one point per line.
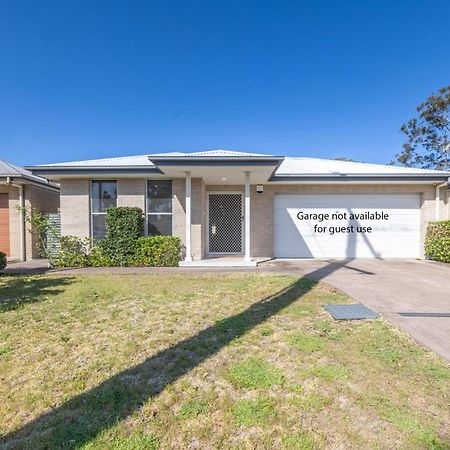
x=428, y=134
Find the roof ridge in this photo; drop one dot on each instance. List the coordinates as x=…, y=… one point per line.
x=112, y=157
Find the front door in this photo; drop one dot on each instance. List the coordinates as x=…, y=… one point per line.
x=225, y=216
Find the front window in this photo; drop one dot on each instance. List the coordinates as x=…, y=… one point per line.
x=103, y=196
x=159, y=207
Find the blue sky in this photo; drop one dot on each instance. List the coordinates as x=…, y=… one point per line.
x=92, y=79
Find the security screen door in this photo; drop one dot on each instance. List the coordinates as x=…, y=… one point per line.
x=225, y=223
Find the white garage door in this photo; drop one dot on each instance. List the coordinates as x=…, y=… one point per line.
x=347, y=225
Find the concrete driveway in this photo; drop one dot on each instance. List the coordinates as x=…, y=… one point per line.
x=392, y=288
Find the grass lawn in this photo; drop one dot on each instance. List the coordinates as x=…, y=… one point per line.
x=207, y=361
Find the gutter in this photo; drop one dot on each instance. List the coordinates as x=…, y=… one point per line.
x=78, y=170
x=23, y=179
x=355, y=178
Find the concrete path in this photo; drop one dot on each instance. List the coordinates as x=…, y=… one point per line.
x=390, y=287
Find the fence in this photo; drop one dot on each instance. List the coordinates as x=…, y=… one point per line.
x=54, y=234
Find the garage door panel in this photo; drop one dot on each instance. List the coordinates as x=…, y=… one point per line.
x=397, y=237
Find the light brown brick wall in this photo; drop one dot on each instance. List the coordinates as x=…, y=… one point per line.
x=179, y=208
x=262, y=215
x=75, y=208
x=43, y=199
x=197, y=217
x=262, y=207
x=197, y=214
x=14, y=222
x=444, y=204
x=131, y=192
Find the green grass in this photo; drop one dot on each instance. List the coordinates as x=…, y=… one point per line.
x=301, y=440
x=438, y=371
x=266, y=331
x=311, y=402
x=205, y=361
x=136, y=441
x=329, y=372
x=255, y=373
x=254, y=412
x=307, y=343
x=417, y=433
x=193, y=408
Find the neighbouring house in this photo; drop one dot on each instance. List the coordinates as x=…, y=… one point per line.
x=20, y=188
x=257, y=206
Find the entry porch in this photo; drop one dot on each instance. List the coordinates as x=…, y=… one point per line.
x=216, y=201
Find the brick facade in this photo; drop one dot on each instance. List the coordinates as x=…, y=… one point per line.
x=75, y=207
x=46, y=200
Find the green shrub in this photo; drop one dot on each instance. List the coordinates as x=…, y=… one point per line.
x=3, y=261
x=97, y=258
x=124, y=226
x=437, y=241
x=76, y=252
x=122, y=246
x=157, y=251
x=73, y=252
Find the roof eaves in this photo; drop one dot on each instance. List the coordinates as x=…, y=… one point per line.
x=83, y=170
x=214, y=158
x=217, y=160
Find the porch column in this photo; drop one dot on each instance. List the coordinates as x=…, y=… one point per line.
x=247, y=217
x=188, y=257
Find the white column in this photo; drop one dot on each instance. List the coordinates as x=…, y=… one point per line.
x=188, y=257
x=247, y=217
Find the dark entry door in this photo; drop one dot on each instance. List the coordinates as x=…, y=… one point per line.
x=225, y=223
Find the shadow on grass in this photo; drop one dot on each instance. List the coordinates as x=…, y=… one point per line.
x=83, y=417
x=17, y=291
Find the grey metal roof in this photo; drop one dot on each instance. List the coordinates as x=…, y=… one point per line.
x=145, y=160
x=8, y=169
x=291, y=169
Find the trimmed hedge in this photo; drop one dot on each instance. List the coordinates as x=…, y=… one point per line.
x=437, y=241
x=3, y=261
x=157, y=251
x=122, y=246
x=124, y=226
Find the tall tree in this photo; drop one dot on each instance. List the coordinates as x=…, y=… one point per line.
x=428, y=135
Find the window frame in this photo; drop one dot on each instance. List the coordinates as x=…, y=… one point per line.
x=91, y=203
x=148, y=213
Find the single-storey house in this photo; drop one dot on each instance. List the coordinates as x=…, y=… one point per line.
x=19, y=188
x=253, y=205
